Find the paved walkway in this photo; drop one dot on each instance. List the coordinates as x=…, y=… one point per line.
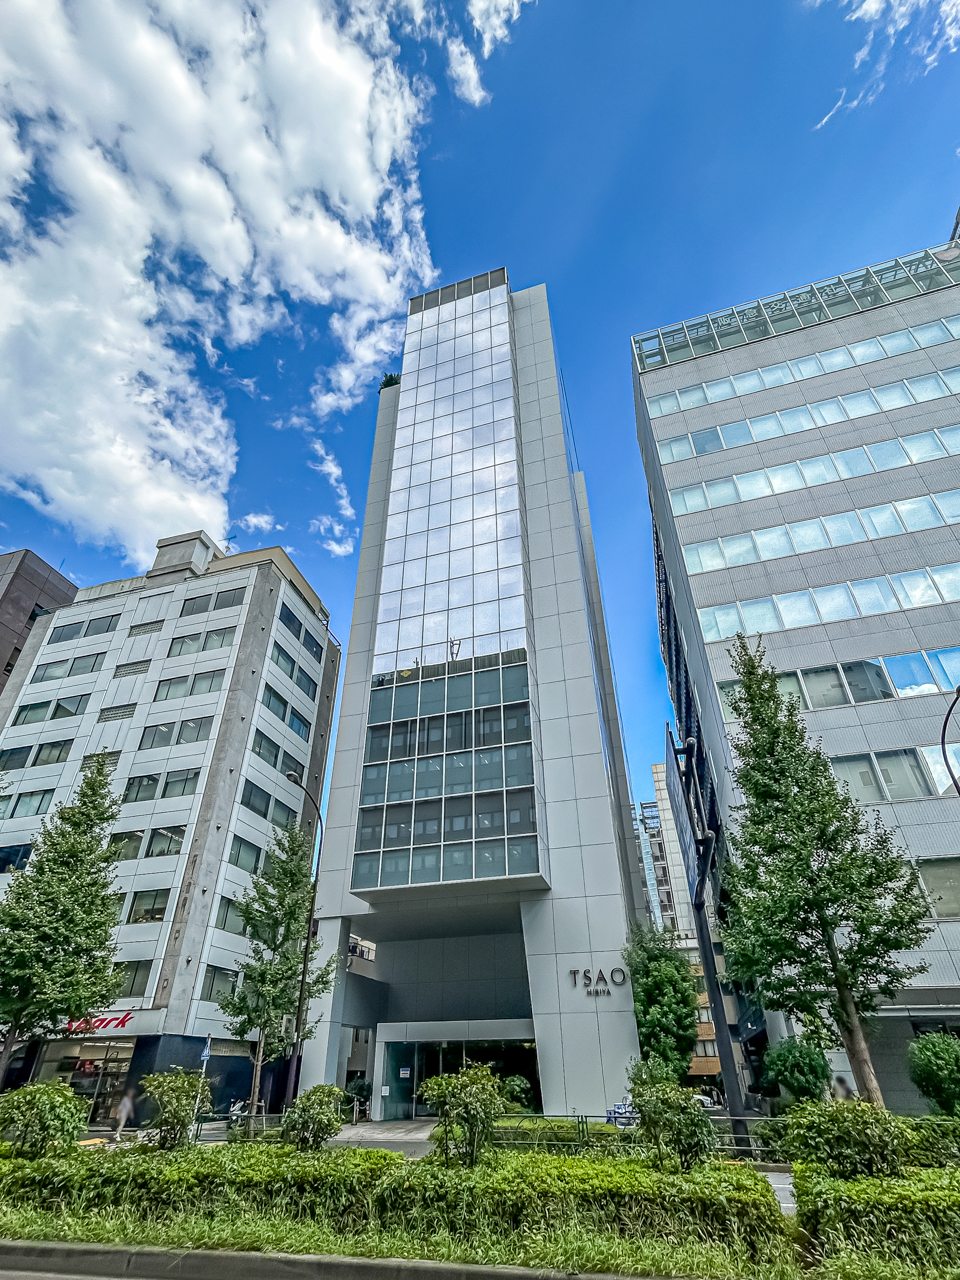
x=411, y=1137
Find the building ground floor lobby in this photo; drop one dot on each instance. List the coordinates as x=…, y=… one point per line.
x=533, y=987
x=100, y=1067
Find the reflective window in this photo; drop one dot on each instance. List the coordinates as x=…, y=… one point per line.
x=902, y=774
x=31, y=713
x=861, y=777
x=165, y=842
x=866, y=681
x=244, y=854
x=941, y=879
x=824, y=687
x=124, y=846
x=181, y=645
x=884, y=456
x=149, y=906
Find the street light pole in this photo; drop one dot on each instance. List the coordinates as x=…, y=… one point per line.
x=943, y=740
x=297, y=1054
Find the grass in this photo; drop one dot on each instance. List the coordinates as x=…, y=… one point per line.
x=568, y=1251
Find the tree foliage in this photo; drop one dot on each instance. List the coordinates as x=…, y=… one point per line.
x=180, y=1097
x=934, y=1065
x=42, y=1119
x=313, y=1118
x=467, y=1103
x=668, y=1119
x=275, y=913
x=664, y=997
x=57, y=919
x=850, y=1139
x=822, y=904
x=798, y=1065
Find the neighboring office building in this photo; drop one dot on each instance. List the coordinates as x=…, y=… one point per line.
x=676, y=906
x=29, y=587
x=479, y=828
x=206, y=680
x=803, y=460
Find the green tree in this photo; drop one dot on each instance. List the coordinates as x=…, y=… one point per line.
x=275, y=913
x=466, y=1103
x=42, y=1119
x=822, y=904
x=798, y=1065
x=313, y=1118
x=664, y=997
x=669, y=1119
x=934, y=1065
x=57, y=919
x=180, y=1097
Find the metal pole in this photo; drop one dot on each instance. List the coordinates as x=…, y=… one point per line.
x=943, y=734
x=705, y=846
x=295, y=1058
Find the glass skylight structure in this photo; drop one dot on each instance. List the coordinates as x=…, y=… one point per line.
x=892, y=281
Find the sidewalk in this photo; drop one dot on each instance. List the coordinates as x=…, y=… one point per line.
x=410, y=1137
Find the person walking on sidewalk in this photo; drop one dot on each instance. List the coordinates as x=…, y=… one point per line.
x=125, y=1112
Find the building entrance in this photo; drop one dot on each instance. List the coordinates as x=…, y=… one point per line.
x=96, y=1070
x=407, y=1064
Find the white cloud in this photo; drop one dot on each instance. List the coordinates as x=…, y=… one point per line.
x=491, y=20
x=209, y=161
x=928, y=29
x=464, y=73
x=340, y=540
x=330, y=467
x=257, y=522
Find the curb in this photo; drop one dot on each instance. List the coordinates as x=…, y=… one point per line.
x=115, y=1261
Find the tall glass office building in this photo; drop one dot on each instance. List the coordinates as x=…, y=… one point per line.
x=802, y=453
x=479, y=838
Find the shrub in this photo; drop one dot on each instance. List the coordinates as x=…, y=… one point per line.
x=41, y=1119
x=516, y=1089
x=667, y=1118
x=915, y=1218
x=359, y=1088
x=934, y=1065
x=936, y=1141
x=467, y=1104
x=313, y=1118
x=534, y=1193
x=335, y=1185
x=850, y=1139
x=799, y=1066
x=179, y=1096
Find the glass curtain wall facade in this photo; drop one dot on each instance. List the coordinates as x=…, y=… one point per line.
x=449, y=754
x=802, y=468
x=479, y=778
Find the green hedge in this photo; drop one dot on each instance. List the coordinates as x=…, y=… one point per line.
x=336, y=1184
x=549, y=1132
x=914, y=1218
x=352, y=1189
x=722, y=1204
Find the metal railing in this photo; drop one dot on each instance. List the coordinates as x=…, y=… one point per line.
x=756, y=1141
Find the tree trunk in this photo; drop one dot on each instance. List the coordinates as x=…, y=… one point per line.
x=851, y=1028
x=255, y=1087
x=6, y=1052
x=858, y=1051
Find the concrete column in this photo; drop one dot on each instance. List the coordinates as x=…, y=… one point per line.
x=321, y=1053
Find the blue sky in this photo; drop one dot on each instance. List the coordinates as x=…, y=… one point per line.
x=167, y=357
